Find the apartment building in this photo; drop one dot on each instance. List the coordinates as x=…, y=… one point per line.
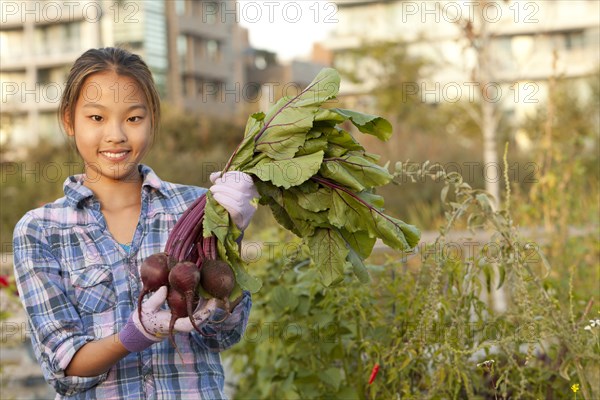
x=195, y=49
x=268, y=80
x=206, y=54
x=523, y=36
x=37, y=47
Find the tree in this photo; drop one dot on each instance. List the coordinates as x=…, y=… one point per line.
x=487, y=114
x=392, y=83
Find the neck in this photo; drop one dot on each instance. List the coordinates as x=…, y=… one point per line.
x=115, y=194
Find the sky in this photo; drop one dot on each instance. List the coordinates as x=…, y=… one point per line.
x=288, y=28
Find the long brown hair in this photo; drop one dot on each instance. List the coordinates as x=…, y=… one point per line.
x=116, y=59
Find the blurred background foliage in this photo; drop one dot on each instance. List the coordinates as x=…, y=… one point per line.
x=506, y=317
x=428, y=324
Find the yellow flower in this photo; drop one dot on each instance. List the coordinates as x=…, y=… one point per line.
x=575, y=388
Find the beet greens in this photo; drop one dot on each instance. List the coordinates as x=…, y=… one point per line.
x=318, y=181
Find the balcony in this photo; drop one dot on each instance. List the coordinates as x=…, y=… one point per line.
x=211, y=107
x=214, y=70
x=194, y=26
x=47, y=60
x=16, y=14
x=18, y=97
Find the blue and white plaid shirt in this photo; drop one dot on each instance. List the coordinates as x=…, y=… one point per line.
x=78, y=284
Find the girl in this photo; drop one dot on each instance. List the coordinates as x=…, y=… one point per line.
x=77, y=260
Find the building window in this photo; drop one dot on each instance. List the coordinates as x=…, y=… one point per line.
x=12, y=77
x=41, y=40
x=52, y=76
x=11, y=43
x=13, y=129
x=260, y=62
x=180, y=7
x=49, y=128
x=182, y=51
x=209, y=11
x=134, y=46
x=184, y=87
x=212, y=50
x=503, y=45
x=43, y=76
x=208, y=90
x=57, y=38
x=574, y=40
x=160, y=79
x=72, y=34
x=5, y=122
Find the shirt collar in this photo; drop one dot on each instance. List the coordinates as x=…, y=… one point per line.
x=150, y=179
x=76, y=192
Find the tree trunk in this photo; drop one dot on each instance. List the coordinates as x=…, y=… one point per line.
x=489, y=110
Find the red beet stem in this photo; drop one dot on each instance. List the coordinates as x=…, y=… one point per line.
x=207, y=248
x=192, y=238
x=184, y=228
x=139, y=305
x=171, y=338
x=190, y=307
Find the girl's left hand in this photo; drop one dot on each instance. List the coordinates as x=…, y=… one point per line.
x=155, y=320
x=235, y=191
x=136, y=336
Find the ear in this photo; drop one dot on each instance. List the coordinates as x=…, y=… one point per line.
x=66, y=120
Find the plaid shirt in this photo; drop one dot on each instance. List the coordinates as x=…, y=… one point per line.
x=78, y=284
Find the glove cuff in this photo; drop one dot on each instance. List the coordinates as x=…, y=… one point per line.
x=134, y=340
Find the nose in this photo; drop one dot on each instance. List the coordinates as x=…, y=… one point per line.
x=116, y=133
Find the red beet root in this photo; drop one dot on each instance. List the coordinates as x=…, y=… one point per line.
x=179, y=309
x=218, y=280
x=154, y=273
x=184, y=279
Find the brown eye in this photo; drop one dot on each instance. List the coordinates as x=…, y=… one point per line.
x=135, y=119
x=96, y=118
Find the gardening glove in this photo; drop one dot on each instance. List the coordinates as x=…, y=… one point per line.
x=215, y=315
x=133, y=335
x=235, y=191
x=204, y=310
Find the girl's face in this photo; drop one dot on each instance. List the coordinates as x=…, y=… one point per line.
x=112, y=127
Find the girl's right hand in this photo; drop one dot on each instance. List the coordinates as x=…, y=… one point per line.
x=203, y=313
x=235, y=191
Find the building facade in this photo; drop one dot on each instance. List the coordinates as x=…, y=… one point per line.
x=524, y=37
x=195, y=49
x=37, y=47
x=206, y=53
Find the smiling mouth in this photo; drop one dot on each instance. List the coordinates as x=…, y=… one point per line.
x=114, y=155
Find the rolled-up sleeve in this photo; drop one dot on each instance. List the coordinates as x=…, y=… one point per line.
x=223, y=335
x=56, y=329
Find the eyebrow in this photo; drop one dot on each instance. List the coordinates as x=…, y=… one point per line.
x=132, y=107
